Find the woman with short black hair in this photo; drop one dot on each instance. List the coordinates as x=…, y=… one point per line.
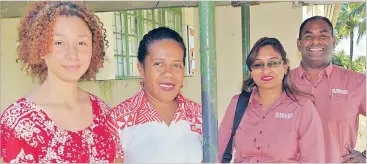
x=158, y=124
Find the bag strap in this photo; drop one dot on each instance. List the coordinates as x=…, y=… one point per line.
x=241, y=106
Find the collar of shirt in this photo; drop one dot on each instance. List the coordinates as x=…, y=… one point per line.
x=253, y=103
x=303, y=74
x=183, y=106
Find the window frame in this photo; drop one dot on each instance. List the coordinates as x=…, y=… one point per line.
x=124, y=71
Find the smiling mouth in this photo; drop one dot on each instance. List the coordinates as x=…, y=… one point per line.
x=316, y=49
x=267, y=78
x=167, y=86
x=72, y=67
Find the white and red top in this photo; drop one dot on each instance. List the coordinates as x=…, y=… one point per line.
x=146, y=138
x=28, y=135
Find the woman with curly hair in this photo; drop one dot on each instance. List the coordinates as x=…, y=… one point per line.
x=59, y=43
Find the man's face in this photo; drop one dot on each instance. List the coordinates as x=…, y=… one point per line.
x=316, y=44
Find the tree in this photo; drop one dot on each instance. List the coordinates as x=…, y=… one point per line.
x=352, y=16
x=341, y=59
x=359, y=64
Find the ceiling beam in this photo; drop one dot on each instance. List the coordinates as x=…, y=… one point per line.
x=13, y=9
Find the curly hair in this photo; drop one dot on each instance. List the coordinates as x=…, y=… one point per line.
x=36, y=35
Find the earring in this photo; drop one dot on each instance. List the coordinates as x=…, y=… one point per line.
x=141, y=83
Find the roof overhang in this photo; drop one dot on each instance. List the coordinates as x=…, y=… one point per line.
x=12, y=9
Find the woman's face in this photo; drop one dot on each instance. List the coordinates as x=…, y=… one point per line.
x=163, y=70
x=71, y=50
x=268, y=68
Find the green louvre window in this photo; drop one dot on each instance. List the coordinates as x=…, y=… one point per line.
x=129, y=27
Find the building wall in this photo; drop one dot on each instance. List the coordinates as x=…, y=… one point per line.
x=13, y=83
x=263, y=23
x=229, y=55
x=280, y=20
x=16, y=84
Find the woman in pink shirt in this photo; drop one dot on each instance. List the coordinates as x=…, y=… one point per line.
x=280, y=123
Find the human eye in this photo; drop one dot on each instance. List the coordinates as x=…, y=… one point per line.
x=257, y=66
x=178, y=65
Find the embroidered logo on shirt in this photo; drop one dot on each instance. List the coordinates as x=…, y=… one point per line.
x=339, y=91
x=284, y=115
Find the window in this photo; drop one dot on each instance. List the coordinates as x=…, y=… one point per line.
x=129, y=27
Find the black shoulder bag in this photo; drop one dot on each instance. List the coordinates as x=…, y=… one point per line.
x=241, y=106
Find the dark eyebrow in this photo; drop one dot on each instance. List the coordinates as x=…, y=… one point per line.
x=307, y=32
x=275, y=57
x=323, y=31
x=158, y=58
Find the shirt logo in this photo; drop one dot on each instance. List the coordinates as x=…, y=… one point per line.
x=284, y=115
x=339, y=91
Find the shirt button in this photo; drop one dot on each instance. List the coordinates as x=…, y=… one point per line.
x=263, y=117
x=258, y=148
x=261, y=132
x=257, y=161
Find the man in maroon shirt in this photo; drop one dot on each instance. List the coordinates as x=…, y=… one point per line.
x=340, y=94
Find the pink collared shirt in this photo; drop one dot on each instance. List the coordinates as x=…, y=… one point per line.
x=287, y=132
x=340, y=96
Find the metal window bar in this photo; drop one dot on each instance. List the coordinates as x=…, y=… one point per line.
x=133, y=25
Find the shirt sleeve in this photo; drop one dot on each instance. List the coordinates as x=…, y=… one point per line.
x=115, y=117
x=311, y=138
x=225, y=128
x=362, y=106
x=113, y=128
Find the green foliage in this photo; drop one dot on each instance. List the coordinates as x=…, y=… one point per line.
x=352, y=15
x=359, y=64
x=341, y=58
